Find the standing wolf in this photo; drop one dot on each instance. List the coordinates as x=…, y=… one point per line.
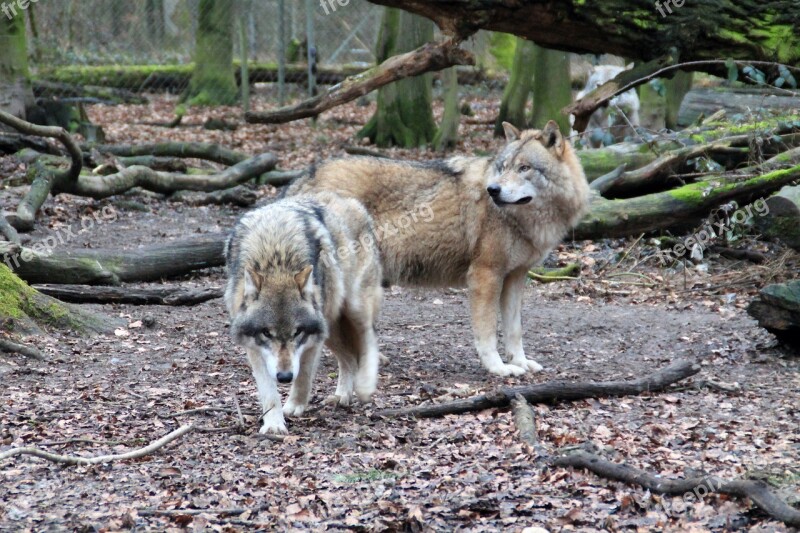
x=491, y=220
x=303, y=272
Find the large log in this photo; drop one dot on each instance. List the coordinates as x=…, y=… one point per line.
x=110, y=267
x=765, y=30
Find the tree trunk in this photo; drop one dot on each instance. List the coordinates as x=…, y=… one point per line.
x=447, y=136
x=677, y=88
x=15, y=90
x=765, y=30
x=404, y=116
x=778, y=310
x=213, y=81
x=552, y=88
x=520, y=83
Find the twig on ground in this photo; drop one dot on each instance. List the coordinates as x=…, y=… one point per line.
x=208, y=410
x=240, y=418
x=72, y=460
x=360, y=150
x=168, y=512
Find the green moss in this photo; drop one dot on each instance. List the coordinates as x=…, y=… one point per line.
x=14, y=293
x=502, y=46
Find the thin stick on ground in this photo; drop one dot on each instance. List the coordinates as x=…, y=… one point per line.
x=73, y=460
x=169, y=512
x=525, y=420
x=209, y=410
x=757, y=491
x=553, y=391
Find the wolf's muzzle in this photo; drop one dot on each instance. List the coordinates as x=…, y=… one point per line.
x=284, y=377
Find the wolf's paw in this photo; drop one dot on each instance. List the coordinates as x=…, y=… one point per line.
x=293, y=409
x=506, y=370
x=342, y=400
x=528, y=364
x=365, y=396
x=273, y=425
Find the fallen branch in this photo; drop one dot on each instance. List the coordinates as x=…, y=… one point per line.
x=170, y=512
x=85, y=294
x=548, y=275
x=553, y=391
x=73, y=460
x=360, y=150
x=8, y=231
x=732, y=253
x=28, y=351
x=757, y=491
x=429, y=57
x=204, y=410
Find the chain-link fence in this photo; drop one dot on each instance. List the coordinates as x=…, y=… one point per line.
x=149, y=45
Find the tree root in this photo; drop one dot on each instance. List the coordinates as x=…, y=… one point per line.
x=9, y=346
x=73, y=460
x=205, y=151
x=553, y=391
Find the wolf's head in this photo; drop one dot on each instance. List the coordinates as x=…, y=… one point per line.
x=538, y=166
x=281, y=316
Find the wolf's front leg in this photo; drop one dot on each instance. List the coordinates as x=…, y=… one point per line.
x=300, y=394
x=268, y=395
x=511, y=308
x=484, y=299
x=366, y=378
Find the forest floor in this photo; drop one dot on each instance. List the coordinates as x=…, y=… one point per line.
x=341, y=469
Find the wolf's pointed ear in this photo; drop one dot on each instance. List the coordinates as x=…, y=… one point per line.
x=252, y=283
x=629, y=66
x=511, y=131
x=552, y=138
x=303, y=279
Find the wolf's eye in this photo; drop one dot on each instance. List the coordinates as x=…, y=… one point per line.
x=523, y=168
x=298, y=332
x=266, y=334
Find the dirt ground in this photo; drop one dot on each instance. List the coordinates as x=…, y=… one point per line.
x=342, y=469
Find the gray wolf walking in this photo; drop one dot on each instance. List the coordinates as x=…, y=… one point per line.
x=609, y=119
x=302, y=272
x=490, y=221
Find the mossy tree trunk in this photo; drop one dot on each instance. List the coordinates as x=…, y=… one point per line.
x=213, y=81
x=15, y=89
x=447, y=136
x=520, y=83
x=404, y=116
x=552, y=88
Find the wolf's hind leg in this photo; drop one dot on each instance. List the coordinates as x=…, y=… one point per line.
x=366, y=380
x=269, y=398
x=511, y=309
x=484, y=299
x=300, y=394
x=339, y=342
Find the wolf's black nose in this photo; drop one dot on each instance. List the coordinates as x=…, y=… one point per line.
x=493, y=190
x=285, y=377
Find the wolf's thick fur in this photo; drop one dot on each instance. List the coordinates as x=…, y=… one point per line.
x=490, y=221
x=302, y=272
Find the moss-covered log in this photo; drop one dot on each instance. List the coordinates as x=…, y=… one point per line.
x=767, y=30
x=622, y=218
x=24, y=310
